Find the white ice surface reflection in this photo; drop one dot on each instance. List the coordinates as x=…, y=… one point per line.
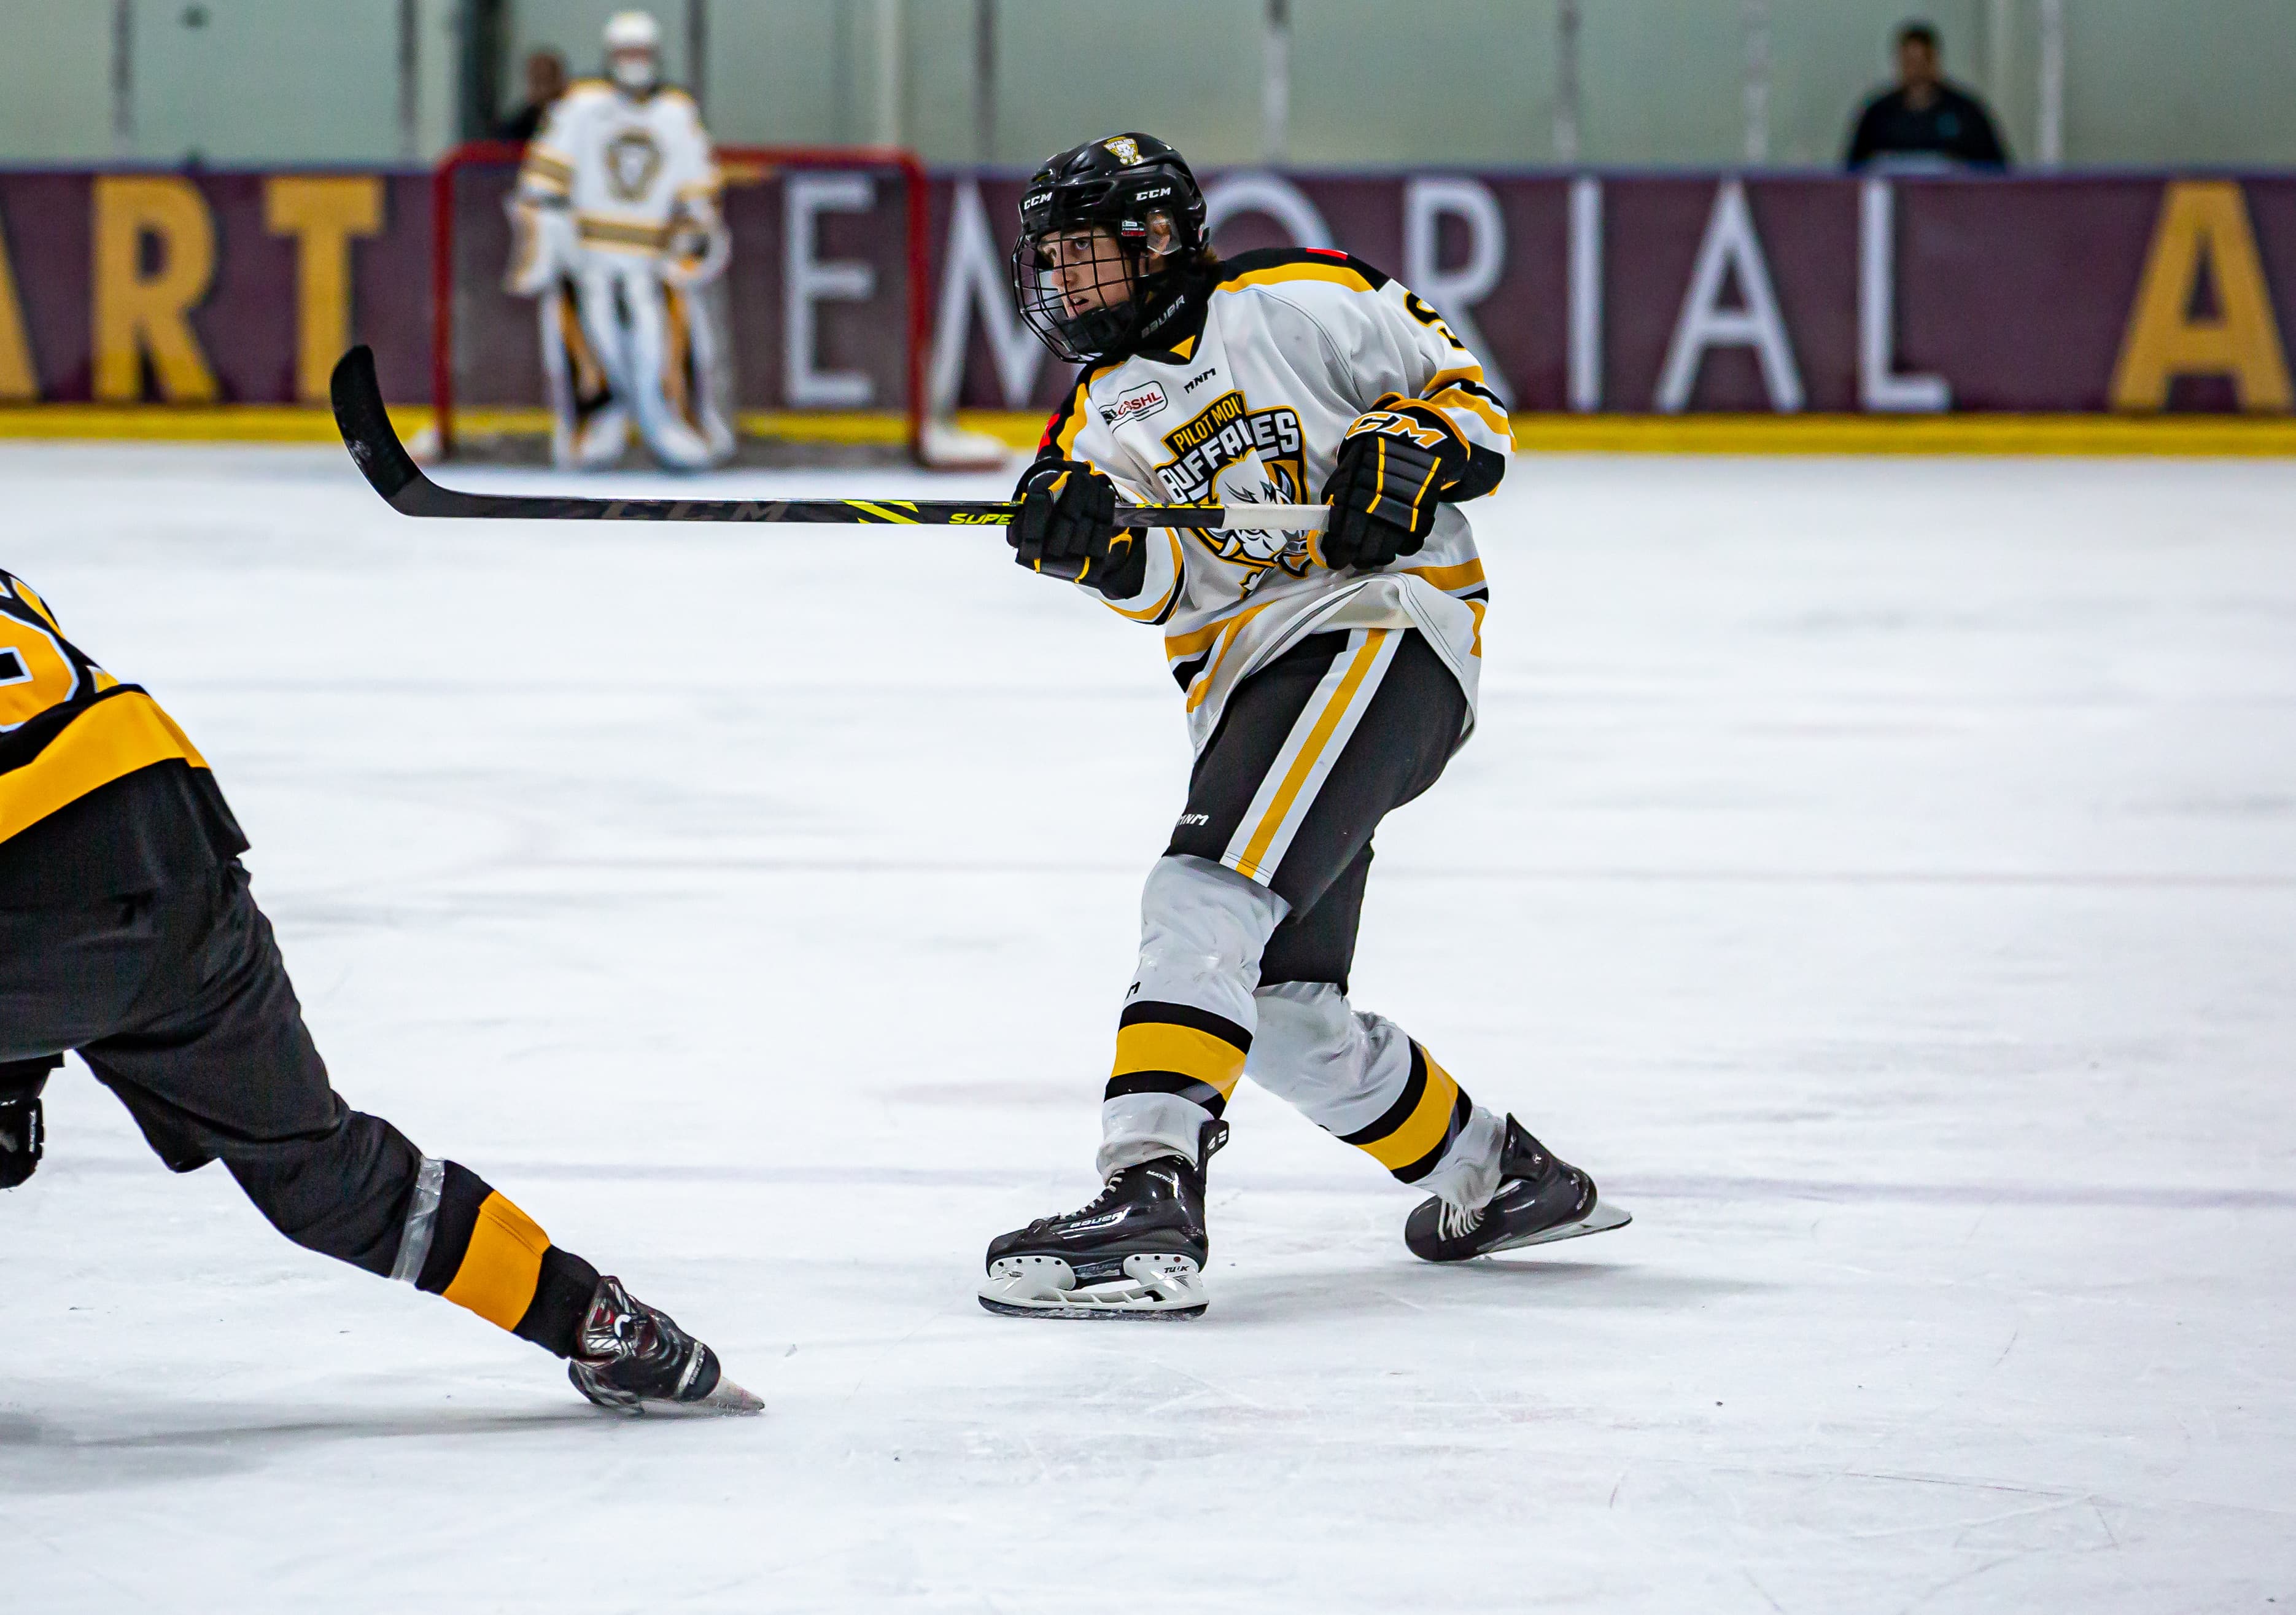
x=1882, y=874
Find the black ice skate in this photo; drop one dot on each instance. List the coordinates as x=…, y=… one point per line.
x=1541, y=1198
x=631, y=1357
x=1138, y=1251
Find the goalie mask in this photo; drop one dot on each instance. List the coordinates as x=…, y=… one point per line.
x=634, y=52
x=1108, y=229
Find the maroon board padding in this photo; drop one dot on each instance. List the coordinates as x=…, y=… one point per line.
x=2018, y=291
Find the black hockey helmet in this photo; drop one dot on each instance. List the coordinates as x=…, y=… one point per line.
x=1144, y=212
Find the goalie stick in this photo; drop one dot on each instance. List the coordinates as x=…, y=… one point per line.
x=374, y=442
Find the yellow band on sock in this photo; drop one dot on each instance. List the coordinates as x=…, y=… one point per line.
x=1159, y=1046
x=1423, y=1129
x=502, y=1266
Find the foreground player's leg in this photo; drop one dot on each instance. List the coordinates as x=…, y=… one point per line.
x=209, y=1053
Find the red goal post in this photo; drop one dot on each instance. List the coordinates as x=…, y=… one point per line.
x=827, y=300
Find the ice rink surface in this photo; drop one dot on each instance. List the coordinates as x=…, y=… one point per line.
x=1880, y=874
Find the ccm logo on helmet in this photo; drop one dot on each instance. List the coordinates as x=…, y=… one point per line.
x=1141, y=402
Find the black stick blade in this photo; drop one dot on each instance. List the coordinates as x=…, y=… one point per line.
x=366, y=425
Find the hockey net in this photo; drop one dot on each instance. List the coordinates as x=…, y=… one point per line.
x=824, y=309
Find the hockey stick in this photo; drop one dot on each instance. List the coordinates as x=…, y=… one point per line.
x=373, y=443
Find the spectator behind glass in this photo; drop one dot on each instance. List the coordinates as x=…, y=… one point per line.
x=1925, y=122
x=546, y=82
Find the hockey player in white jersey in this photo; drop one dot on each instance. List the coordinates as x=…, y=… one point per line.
x=1328, y=679
x=617, y=231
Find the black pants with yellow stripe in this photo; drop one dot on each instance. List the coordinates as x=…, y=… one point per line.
x=1249, y=923
x=178, y=1002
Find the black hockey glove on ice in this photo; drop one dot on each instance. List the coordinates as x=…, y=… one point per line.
x=21, y=1127
x=1393, y=468
x=1066, y=527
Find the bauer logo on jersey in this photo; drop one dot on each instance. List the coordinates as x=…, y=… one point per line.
x=1138, y=404
x=632, y=160
x=1124, y=149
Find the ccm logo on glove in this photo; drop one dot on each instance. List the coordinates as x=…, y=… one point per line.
x=1393, y=468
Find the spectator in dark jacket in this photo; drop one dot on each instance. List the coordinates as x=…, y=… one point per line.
x=1924, y=121
x=546, y=82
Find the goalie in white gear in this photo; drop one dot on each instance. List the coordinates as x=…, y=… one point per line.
x=1328, y=679
x=617, y=231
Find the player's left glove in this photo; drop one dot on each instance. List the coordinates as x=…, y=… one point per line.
x=1393, y=468
x=1066, y=525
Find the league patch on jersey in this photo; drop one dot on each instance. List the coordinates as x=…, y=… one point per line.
x=632, y=160
x=1138, y=404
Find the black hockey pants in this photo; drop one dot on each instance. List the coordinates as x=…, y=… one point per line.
x=179, y=1004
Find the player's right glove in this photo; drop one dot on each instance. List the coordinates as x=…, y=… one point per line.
x=1392, y=470
x=21, y=1128
x=1066, y=525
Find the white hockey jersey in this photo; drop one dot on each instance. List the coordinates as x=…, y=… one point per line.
x=1242, y=397
x=631, y=169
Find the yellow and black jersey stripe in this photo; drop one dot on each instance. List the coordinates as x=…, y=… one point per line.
x=67, y=727
x=594, y=231
x=1274, y=266
x=101, y=793
x=1059, y=442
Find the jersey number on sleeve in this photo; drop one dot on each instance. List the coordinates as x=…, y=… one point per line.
x=1424, y=313
x=35, y=673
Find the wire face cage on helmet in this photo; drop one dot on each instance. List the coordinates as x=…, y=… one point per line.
x=1100, y=226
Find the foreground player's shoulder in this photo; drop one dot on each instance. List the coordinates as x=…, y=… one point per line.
x=1298, y=269
x=17, y=593
x=1074, y=415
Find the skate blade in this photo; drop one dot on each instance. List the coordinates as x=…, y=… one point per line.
x=1600, y=1220
x=726, y=1400
x=1046, y=1287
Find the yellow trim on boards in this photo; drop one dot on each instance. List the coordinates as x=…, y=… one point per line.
x=2260, y=435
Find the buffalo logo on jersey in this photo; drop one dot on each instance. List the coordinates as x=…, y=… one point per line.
x=632, y=160
x=1228, y=431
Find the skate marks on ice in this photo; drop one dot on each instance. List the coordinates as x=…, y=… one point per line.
x=1624, y=1185
x=151, y=1441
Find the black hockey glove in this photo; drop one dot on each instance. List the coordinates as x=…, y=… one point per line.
x=1393, y=468
x=21, y=1127
x=1066, y=527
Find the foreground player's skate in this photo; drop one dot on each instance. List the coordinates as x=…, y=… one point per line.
x=1541, y=1198
x=1136, y=1251
x=630, y=1357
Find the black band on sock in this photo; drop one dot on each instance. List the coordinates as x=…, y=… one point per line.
x=561, y=1295
x=460, y=1195
x=1177, y=1082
